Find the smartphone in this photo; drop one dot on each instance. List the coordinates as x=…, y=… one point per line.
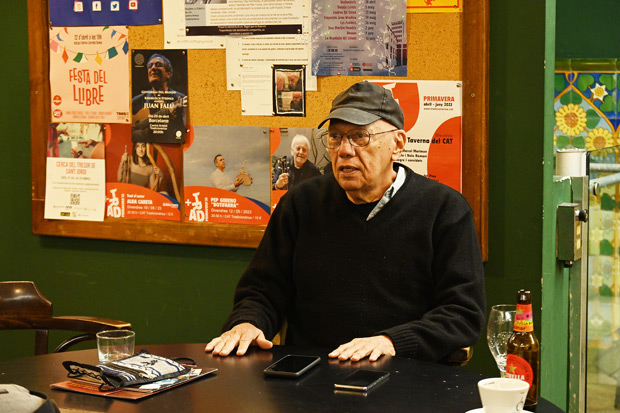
x=361, y=380
x=292, y=366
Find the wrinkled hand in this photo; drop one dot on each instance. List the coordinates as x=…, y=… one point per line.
x=282, y=181
x=242, y=336
x=359, y=348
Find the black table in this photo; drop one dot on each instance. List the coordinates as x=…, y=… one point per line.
x=240, y=386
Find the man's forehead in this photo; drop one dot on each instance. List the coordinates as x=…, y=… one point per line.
x=341, y=124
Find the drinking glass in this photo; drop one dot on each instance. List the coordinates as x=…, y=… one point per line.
x=115, y=344
x=499, y=330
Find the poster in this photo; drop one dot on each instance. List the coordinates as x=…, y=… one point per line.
x=433, y=111
x=359, y=38
x=296, y=155
x=75, y=172
x=142, y=179
x=243, y=17
x=89, y=81
x=104, y=12
x=226, y=175
x=434, y=6
x=159, y=89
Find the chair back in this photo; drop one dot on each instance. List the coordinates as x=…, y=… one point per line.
x=23, y=298
x=23, y=307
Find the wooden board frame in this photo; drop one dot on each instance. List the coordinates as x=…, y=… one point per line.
x=474, y=66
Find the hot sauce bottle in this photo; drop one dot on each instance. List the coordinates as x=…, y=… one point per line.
x=523, y=349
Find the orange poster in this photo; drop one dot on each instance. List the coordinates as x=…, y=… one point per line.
x=433, y=112
x=226, y=174
x=142, y=179
x=434, y=6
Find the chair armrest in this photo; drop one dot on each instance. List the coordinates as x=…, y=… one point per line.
x=459, y=357
x=69, y=323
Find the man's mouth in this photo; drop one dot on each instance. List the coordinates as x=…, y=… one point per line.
x=347, y=169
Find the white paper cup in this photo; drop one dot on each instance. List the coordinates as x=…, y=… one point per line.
x=115, y=344
x=570, y=162
x=502, y=395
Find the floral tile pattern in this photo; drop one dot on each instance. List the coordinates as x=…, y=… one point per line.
x=586, y=110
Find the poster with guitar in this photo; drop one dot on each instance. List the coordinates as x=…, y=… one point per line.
x=143, y=180
x=159, y=88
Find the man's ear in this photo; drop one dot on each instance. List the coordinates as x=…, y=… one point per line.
x=400, y=138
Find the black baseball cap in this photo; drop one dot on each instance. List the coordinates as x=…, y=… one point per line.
x=364, y=103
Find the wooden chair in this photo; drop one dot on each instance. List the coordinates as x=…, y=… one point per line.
x=459, y=357
x=22, y=307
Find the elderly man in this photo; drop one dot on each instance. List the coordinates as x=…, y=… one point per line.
x=372, y=260
x=161, y=103
x=300, y=167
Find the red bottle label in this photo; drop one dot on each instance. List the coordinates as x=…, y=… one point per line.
x=524, y=319
x=518, y=368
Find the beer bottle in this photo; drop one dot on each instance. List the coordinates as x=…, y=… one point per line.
x=523, y=349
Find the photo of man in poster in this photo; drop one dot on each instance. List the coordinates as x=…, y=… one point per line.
x=159, y=105
x=289, y=90
x=219, y=178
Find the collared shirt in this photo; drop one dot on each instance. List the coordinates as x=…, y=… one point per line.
x=220, y=180
x=391, y=191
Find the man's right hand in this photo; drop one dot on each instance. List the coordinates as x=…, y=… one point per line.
x=241, y=336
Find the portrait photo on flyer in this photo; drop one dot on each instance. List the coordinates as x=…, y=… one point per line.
x=159, y=88
x=289, y=90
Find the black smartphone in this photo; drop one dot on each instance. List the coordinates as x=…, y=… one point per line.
x=361, y=380
x=292, y=366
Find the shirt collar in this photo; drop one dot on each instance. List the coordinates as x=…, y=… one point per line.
x=389, y=194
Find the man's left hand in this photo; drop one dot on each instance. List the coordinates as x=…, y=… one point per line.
x=371, y=347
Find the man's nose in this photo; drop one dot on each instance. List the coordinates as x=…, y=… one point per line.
x=345, y=148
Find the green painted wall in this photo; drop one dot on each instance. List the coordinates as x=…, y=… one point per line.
x=182, y=293
x=587, y=29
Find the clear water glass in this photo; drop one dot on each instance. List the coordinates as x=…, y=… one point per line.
x=499, y=330
x=115, y=344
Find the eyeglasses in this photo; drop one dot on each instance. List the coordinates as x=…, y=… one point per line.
x=357, y=137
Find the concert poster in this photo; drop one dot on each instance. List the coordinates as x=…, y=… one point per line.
x=75, y=172
x=89, y=81
x=434, y=6
x=296, y=155
x=142, y=179
x=359, y=38
x=226, y=175
x=433, y=112
x=159, y=105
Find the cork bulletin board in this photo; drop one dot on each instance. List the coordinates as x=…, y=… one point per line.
x=436, y=51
